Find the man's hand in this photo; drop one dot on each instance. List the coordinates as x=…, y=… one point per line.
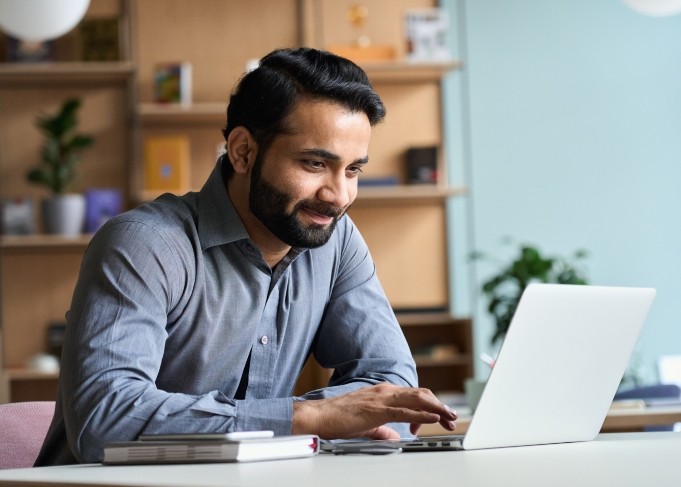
x=364, y=413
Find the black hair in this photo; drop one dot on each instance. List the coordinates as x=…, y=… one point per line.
x=264, y=97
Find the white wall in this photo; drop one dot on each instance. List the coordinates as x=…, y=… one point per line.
x=566, y=126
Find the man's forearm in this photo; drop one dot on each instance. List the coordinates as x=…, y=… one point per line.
x=118, y=418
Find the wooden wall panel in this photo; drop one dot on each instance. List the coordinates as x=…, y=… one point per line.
x=408, y=247
x=36, y=289
x=216, y=36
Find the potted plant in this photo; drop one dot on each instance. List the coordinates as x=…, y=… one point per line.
x=503, y=289
x=63, y=213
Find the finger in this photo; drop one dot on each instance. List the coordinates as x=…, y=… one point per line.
x=448, y=425
x=422, y=400
x=406, y=415
x=414, y=428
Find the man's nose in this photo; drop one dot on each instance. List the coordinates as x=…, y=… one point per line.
x=336, y=191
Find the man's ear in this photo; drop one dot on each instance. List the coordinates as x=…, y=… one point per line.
x=241, y=149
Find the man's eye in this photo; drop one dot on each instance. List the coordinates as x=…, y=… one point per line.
x=314, y=164
x=355, y=170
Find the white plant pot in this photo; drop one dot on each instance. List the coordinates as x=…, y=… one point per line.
x=64, y=214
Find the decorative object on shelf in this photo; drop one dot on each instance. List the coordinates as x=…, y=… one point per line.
x=17, y=216
x=166, y=163
x=44, y=363
x=62, y=213
x=422, y=165
x=426, y=33
x=101, y=204
x=55, y=338
x=655, y=8
x=40, y=20
x=173, y=83
x=361, y=48
x=357, y=16
x=378, y=181
x=19, y=51
x=437, y=352
x=99, y=39
x=503, y=289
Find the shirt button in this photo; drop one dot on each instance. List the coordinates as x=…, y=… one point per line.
x=264, y=339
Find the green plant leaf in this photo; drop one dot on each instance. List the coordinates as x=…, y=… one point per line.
x=504, y=289
x=80, y=142
x=61, y=151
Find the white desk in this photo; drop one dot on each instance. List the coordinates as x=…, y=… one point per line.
x=617, y=459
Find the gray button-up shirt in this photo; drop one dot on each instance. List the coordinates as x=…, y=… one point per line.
x=173, y=298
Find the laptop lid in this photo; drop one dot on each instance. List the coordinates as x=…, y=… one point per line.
x=559, y=366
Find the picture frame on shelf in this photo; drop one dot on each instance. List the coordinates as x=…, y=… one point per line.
x=166, y=163
x=17, y=216
x=422, y=165
x=101, y=204
x=426, y=34
x=173, y=83
x=100, y=39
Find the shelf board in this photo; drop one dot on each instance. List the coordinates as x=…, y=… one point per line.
x=459, y=360
x=66, y=72
x=406, y=194
x=8, y=242
x=407, y=72
x=429, y=319
x=182, y=113
x=24, y=374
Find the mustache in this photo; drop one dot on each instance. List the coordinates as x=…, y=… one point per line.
x=322, y=209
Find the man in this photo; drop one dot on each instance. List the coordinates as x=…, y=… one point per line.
x=197, y=313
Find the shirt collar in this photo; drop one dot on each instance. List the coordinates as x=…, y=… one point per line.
x=219, y=222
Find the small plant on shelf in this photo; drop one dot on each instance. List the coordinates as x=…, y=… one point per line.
x=62, y=149
x=503, y=289
x=61, y=153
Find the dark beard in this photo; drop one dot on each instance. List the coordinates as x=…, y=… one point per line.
x=269, y=205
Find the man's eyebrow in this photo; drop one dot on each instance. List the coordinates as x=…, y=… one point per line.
x=325, y=154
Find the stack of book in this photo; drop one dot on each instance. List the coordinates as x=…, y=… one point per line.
x=210, y=448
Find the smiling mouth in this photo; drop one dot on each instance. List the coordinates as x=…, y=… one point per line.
x=318, y=218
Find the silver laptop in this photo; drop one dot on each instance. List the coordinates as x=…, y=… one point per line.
x=557, y=371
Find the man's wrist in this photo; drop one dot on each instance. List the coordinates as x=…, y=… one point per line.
x=305, y=418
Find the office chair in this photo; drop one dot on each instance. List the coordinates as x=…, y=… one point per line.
x=23, y=426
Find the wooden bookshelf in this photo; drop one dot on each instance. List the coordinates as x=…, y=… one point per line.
x=404, y=225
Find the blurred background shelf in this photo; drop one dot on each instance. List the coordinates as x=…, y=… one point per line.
x=10, y=242
x=66, y=72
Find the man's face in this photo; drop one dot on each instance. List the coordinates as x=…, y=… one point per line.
x=307, y=178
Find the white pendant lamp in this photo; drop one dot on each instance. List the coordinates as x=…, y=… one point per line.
x=655, y=8
x=40, y=20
